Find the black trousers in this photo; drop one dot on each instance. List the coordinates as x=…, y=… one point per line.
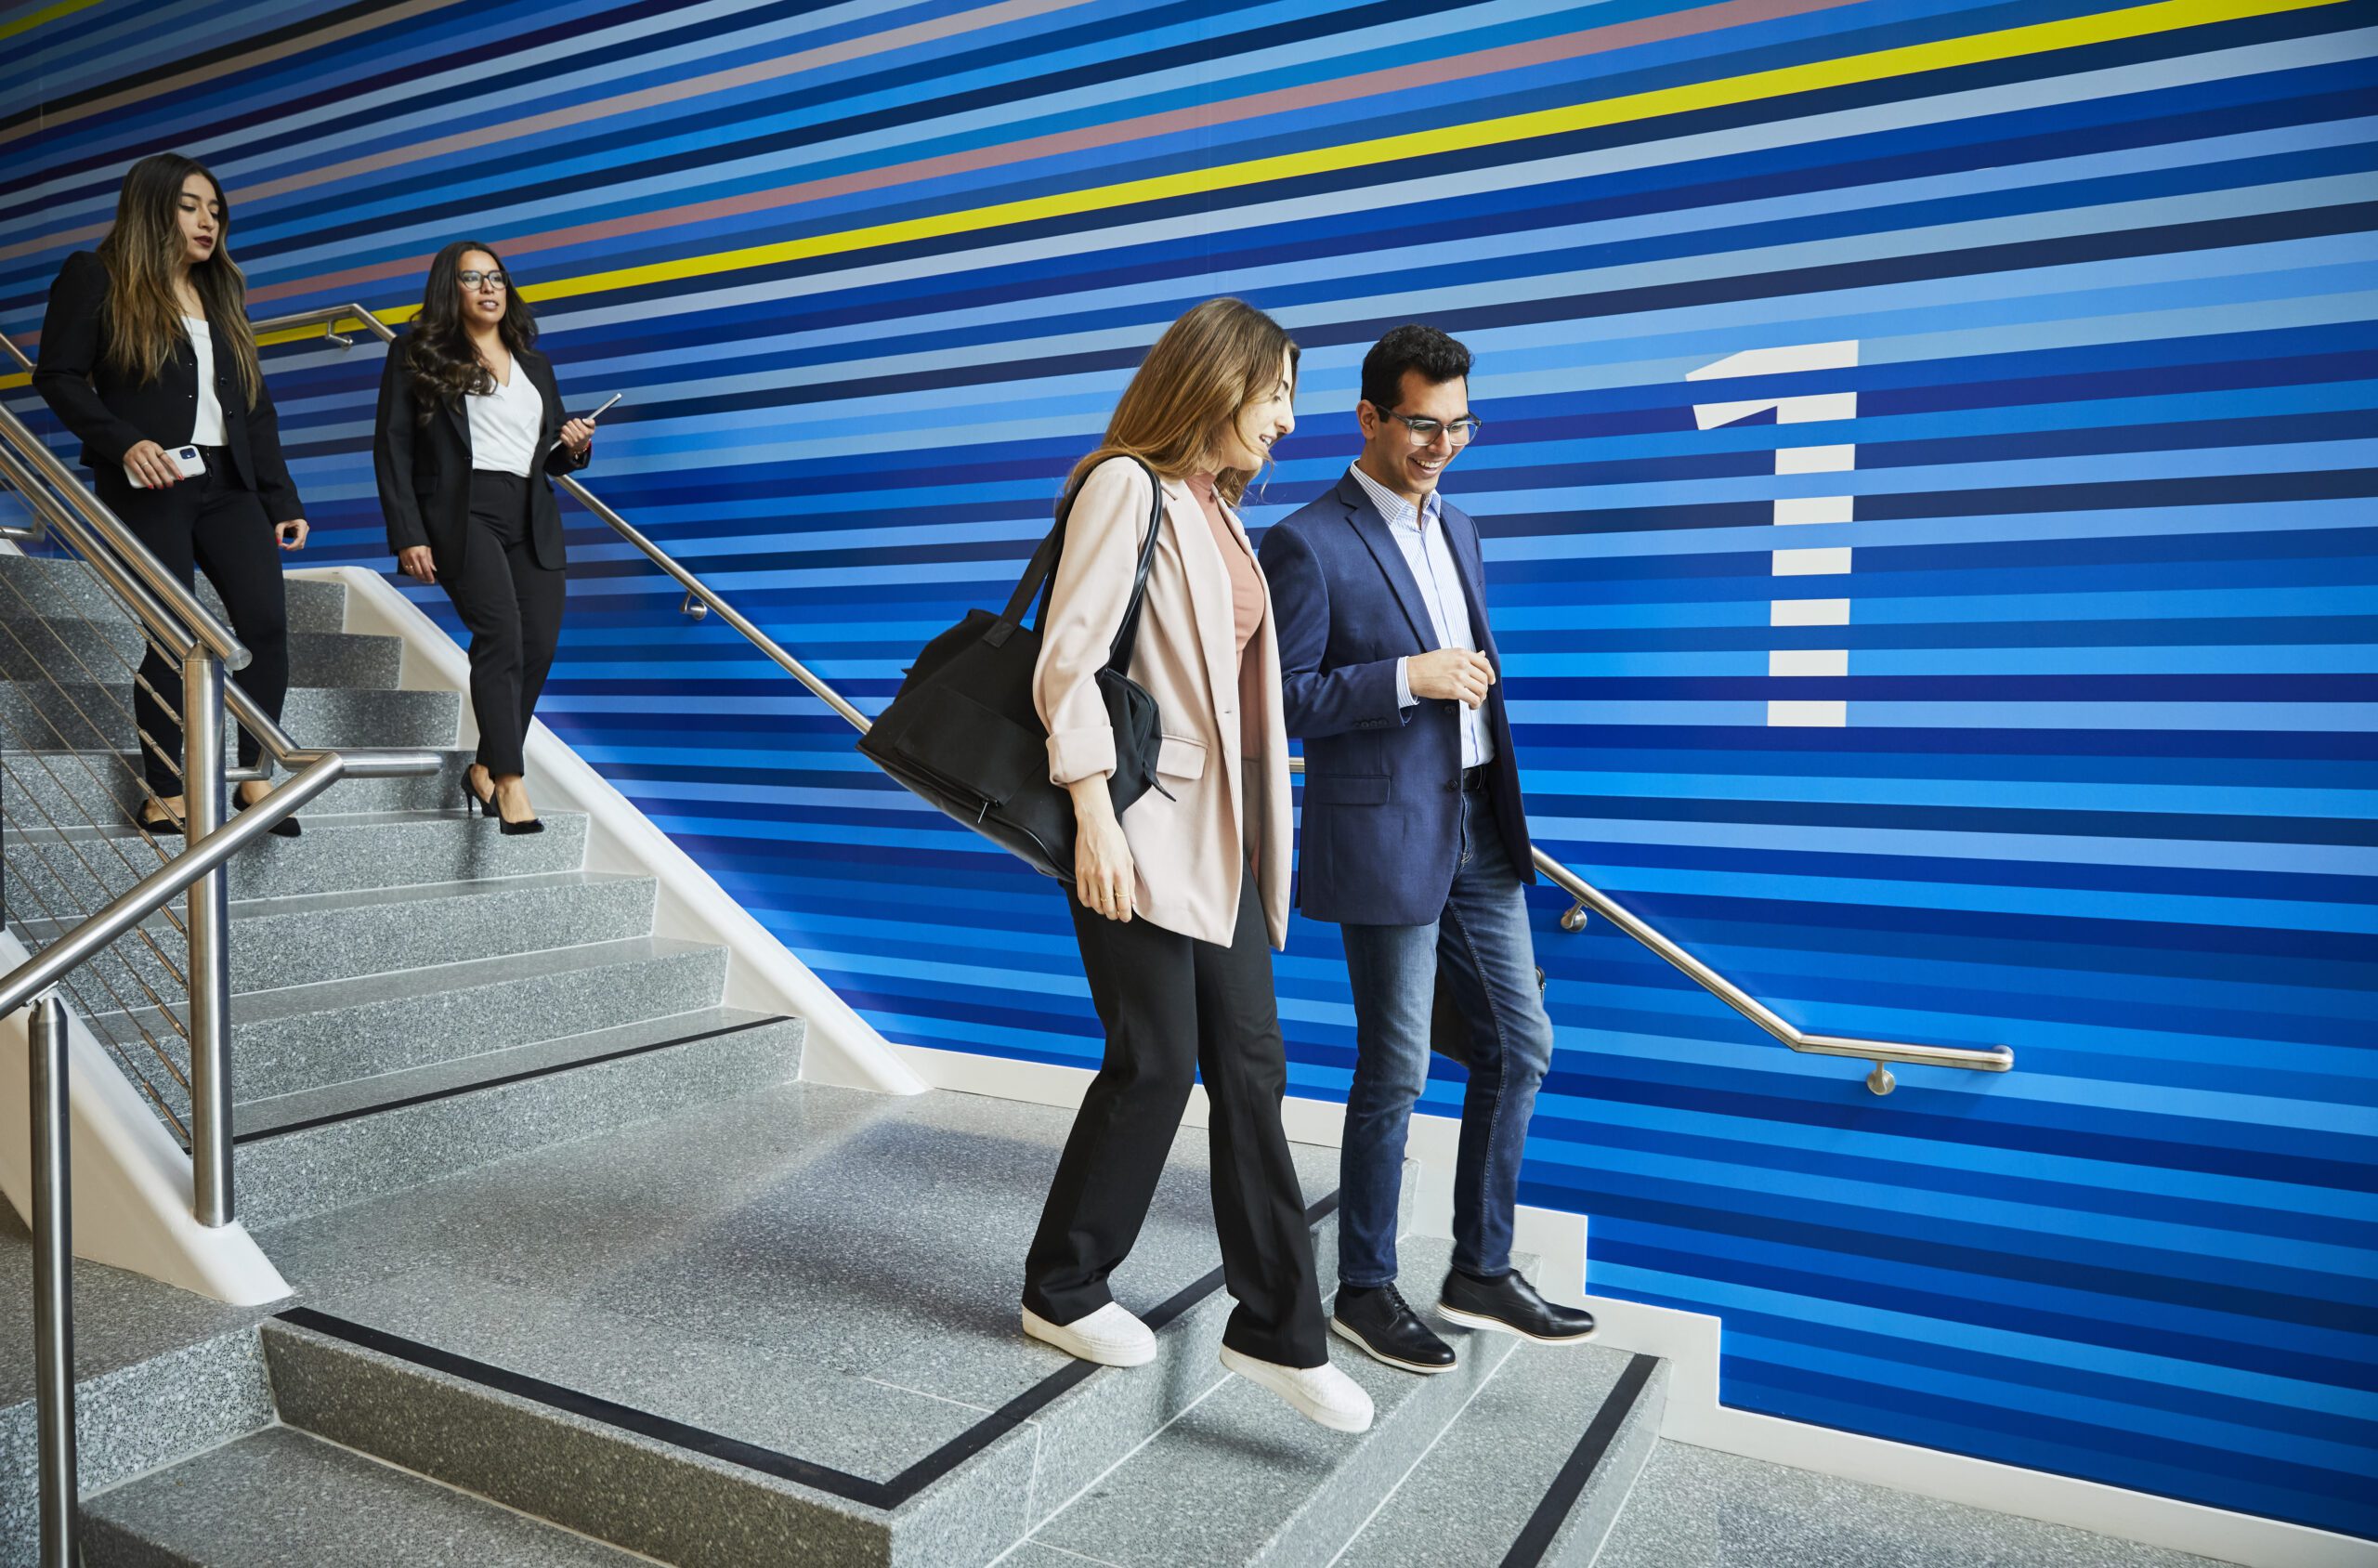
x=512, y=608
x=1173, y=1006
x=210, y=522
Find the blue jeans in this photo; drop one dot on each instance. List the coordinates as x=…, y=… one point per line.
x=1490, y=965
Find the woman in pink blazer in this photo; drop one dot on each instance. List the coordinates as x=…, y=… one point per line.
x=1177, y=903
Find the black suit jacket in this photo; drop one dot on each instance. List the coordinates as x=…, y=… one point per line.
x=113, y=413
x=425, y=470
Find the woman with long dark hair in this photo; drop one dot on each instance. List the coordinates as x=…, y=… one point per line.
x=471, y=432
x=1174, y=900
x=146, y=351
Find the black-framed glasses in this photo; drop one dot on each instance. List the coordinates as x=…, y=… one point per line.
x=474, y=279
x=1424, y=432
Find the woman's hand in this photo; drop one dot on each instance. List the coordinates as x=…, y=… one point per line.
x=415, y=562
x=577, y=434
x=149, y=463
x=291, y=533
x=1102, y=870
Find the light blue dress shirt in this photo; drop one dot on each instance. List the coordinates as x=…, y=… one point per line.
x=1420, y=534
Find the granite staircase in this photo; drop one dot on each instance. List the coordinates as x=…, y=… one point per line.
x=586, y=1274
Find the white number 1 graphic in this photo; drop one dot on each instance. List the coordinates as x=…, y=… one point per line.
x=1831, y=561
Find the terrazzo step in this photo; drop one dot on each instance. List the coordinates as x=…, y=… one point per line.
x=57, y=585
x=309, y=1037
x=306, y=1154
x=50, y=787
x=1696, y=1508
x=283, y=1499
x=309, y=938
x=80, y=715
x=779, y=1331
x=1297, y=1492
x=58, y=648
x=76, y=869
x=1534, y=1470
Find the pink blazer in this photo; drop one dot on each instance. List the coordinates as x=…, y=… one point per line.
x=1225, y=751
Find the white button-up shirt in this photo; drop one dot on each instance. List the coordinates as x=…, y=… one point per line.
x=1420, y=534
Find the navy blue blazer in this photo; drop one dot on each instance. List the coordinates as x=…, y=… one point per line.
x=1382, y=784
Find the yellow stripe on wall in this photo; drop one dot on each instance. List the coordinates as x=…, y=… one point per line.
x=2072, y=32
x=2136, y=22
x=46, y=14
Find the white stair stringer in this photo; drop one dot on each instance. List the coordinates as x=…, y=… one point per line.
x=131, y=1181
x=842, y=1048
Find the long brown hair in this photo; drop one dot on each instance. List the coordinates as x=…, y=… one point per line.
x=141, y=251
x=1207, y=366
x=446, y=368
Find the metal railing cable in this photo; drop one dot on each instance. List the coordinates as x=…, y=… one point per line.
x=1583, y=895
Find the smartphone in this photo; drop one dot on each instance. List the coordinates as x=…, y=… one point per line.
x=187, y=460
x=607, y=403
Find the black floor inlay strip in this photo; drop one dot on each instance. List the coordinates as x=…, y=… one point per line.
x=1535, y=1539
x=523, y=1076
x=885, y=1494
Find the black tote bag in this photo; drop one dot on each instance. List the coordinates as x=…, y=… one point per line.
x=964, y=734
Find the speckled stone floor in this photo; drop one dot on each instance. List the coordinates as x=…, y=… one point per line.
x=829, y=1273
x=1694, y=1508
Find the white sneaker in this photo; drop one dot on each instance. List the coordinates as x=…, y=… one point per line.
x=1318, y=1394
x=1110, y=1336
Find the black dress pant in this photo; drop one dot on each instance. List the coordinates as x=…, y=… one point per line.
x=1173, y=1006
x=512, y=608
x=207, y=521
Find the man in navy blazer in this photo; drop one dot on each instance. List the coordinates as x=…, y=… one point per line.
x=1415, y=840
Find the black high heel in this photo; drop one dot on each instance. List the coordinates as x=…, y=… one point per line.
x=287, y=828
x=488, y=807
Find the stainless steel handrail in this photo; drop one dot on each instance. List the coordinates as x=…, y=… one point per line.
x=1582, y=894
x=157, y=889
x=189, y=620
x=16, y=353
x=53, y=1226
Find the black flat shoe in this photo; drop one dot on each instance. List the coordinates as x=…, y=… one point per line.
x=287, y=828
x=1383, y=1326
x=1509, y=1306
x=147, y=824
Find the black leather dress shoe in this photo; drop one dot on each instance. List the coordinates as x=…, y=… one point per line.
x=1509, y=1306
x=1387, y=1329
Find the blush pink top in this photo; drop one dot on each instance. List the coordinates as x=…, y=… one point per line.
x=1246, y=587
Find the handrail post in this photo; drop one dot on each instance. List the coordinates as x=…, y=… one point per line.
x=210, y=959
x=53, y=1280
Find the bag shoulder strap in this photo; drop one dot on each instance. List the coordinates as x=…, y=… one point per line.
x=1040, y=576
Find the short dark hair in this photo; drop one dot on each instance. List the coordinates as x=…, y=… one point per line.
x=1410, y=348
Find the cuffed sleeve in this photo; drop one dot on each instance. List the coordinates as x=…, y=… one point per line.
x=1404, y=682
x=1093, y=588
x=275, y=489
x=1319, y=701
x=71, y=345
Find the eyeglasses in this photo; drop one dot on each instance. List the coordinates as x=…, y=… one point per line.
x=474, y=279
x=1424, y=432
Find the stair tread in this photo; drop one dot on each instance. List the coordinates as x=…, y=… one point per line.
x=257, y=1119
x=333, y=821
x=1480, y=1487
x=871, y=1240
x=375, y=897
x=1278, y=1469
x=332, y=996
x=283, y=1498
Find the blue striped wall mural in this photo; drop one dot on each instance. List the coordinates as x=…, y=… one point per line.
x=1928, y=489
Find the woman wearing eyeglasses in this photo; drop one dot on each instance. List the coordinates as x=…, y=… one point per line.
x=146, y=352
x=471, y=433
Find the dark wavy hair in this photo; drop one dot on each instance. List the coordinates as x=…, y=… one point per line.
x=445, y=367
x=1412, y=347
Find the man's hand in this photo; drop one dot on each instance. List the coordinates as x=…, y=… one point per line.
x=416, y=563
x=291, y=533
x=1450, y=675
